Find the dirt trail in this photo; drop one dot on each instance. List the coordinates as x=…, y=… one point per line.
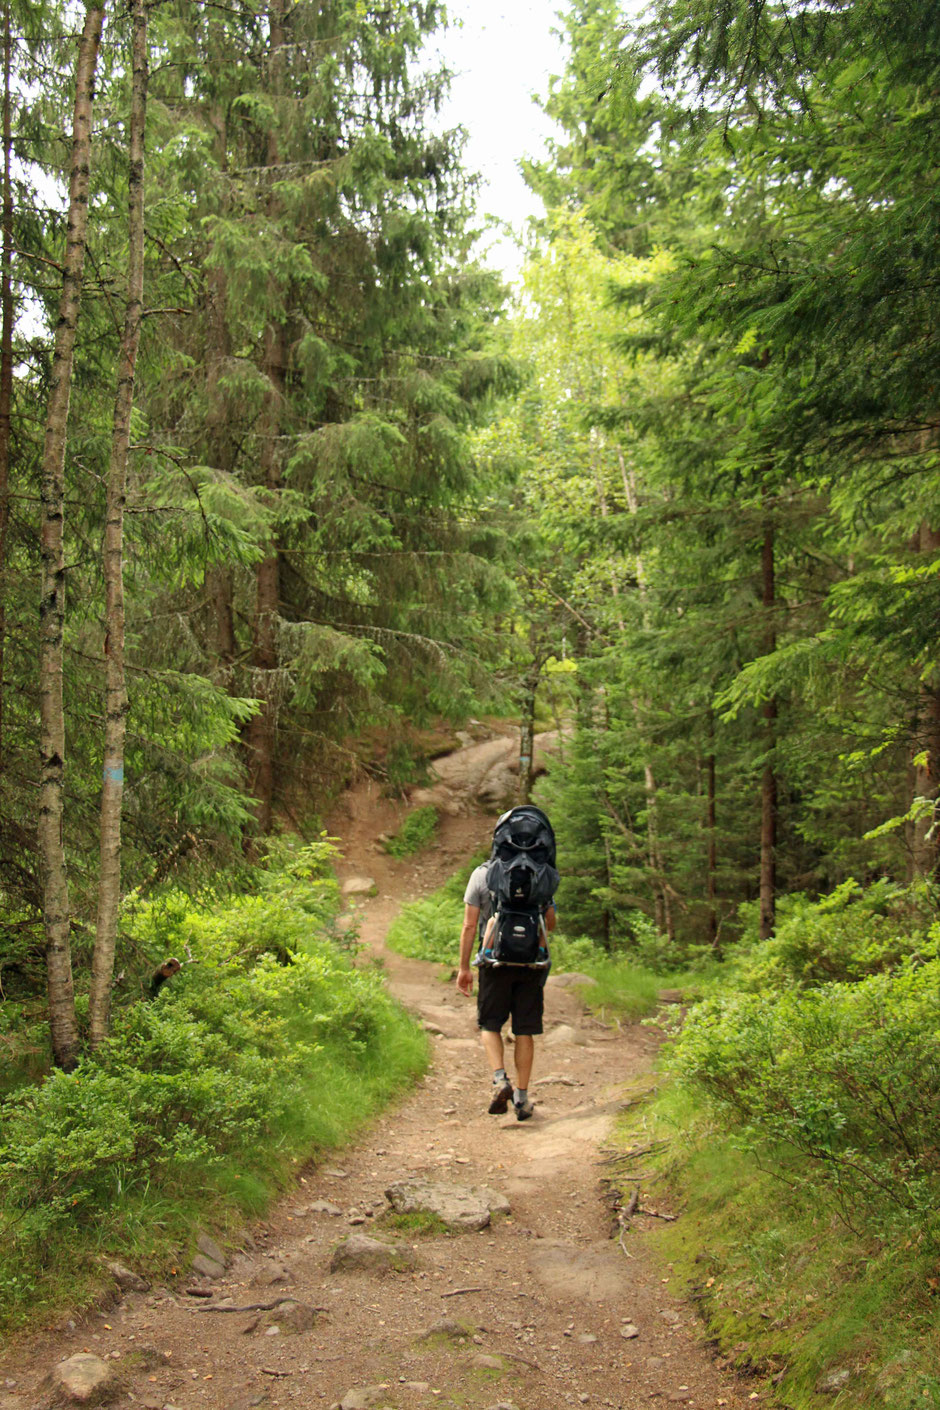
x=538, y=1301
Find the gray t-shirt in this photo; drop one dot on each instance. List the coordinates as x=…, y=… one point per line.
x=477, y=894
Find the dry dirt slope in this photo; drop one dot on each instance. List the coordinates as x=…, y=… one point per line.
x=536, y=1303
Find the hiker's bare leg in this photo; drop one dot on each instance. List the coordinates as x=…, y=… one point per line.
x=525, y=1052
x=493, y=1047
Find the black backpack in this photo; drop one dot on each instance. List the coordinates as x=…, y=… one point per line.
x=522, y=879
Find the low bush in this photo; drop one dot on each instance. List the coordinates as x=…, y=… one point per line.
x=784, y=1286
x=266, y=1048
x=847, y=935
x=846, y=1078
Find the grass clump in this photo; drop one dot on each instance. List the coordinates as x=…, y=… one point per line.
x=429, y=929
x=421, y=1223
x=269, y=1047
x=415, y=833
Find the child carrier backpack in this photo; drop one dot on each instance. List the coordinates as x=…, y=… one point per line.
x=522, y=879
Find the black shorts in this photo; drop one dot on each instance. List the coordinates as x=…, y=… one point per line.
x=511, y=990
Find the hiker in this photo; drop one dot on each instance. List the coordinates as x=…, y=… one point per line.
x=510, y=988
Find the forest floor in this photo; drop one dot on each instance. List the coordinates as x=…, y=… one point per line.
x=529, y=1312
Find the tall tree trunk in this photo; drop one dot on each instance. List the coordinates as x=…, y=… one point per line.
x=712, y=835
x=54, y=877
x=926, y=761
x=662, y=901
x=261, y=733
x=112, y=790
x=527, y=733
x=768, y=826
x=6, y=358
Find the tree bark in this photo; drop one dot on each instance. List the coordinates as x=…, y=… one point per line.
x=261, y=732
x=6, y=357
x=662, y=902
x=712, y=835
x=112, y=790
x=527, y=733
x=925, y=766
x=768, y=827
x=54, y=877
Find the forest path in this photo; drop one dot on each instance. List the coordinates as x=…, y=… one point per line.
x=527, y=1313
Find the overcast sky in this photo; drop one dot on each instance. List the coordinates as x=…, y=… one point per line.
x=502, y=52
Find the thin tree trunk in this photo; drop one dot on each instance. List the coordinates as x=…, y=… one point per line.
x=261, y=733
x=662, y=903
x=711, y=834
x=925, y=766
x=54, y=877
x=6, y=357
x=112, y=792
x=527, y=734
x=768, y=828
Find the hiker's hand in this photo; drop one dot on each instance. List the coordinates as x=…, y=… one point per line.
x=465, y=981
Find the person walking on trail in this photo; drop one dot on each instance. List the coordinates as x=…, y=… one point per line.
x=504, y=992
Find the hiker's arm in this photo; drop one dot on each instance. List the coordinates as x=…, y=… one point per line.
x=471, y=919
x=550, y=918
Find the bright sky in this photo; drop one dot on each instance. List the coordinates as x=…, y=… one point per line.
x=502, y=52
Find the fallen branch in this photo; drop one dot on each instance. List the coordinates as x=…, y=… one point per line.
x=514, y=1356
x=257, y=1307
x=459, y=1292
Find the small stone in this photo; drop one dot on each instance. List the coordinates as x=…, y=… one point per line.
x=84, y=1379
x=275, y=1275
x=447, y=1328
x=361, y=1252
x=127, y=1280
x=487, y=1363
x=323, y=1206
x=669, y=1316
x=565, y=981
x=205, y=1267
x=363, y=1397
x=671, y=996
x=679, y=1397
x=834, y=1381
x=294, y=1317
x=272, y=1331
x=211, y=1249
x=628, y=1331
x=359, y=886
x=337, y=1174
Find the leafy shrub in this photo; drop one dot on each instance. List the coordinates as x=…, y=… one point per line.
x=414, y=834
x=847, y=1077
x=267, y=1043
x=852, y=933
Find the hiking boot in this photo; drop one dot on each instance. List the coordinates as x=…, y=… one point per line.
x=502, y=1096
x=523, y=1110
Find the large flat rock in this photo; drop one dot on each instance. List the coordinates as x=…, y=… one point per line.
x=460, y=1208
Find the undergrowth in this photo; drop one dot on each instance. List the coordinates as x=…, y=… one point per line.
x=267, y=1048
x=795, y=1130
x=415, y=833
x=787, y=1287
